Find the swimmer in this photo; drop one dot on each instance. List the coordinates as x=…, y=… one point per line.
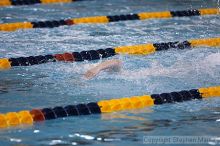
x=112, y=65
x=210, y=62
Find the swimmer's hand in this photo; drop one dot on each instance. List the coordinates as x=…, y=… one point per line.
x=91, y=73
x=110, y=64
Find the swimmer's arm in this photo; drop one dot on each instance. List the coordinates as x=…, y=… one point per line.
x=110, y=64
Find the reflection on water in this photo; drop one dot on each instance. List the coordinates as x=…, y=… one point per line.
x=18, y=80
x=16, y=85
x=132, y=133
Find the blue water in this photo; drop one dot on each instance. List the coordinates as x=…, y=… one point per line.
x=58, y=84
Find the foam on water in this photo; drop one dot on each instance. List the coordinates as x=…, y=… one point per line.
x=180, y=68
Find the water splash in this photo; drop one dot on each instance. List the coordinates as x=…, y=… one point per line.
x=179, y=69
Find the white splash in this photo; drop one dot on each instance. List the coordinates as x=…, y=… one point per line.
x=178, y=69
x=36, y=131
x=55, y=142
x=15, y=140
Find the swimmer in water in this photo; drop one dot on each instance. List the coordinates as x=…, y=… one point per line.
x=208, y=63
x=113, y=65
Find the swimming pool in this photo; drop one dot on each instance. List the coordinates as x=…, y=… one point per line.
x=56, y=84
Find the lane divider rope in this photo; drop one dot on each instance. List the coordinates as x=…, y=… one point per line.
x=142, y=49
x=4, y=3
x=106, y=19
x=26, y=117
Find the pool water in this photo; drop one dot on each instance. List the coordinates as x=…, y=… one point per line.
x=60, y=84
